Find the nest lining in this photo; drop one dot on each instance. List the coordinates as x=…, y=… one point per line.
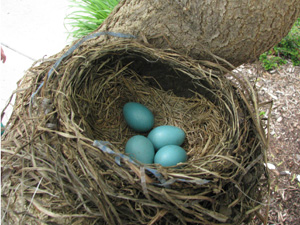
x=101, y=110
x=86, y=97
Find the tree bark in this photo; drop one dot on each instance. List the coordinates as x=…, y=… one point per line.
x=235, y=30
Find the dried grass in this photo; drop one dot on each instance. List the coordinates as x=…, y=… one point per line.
x=53, y=171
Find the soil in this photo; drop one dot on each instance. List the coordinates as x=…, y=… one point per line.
x=282, y=88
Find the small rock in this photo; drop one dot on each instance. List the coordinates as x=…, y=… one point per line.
x=291, y=69
x=270, y=166
x=283, y=173
x=279, y=119
x=273, y=96
x=279, y=92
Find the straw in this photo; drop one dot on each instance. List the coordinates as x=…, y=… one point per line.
x=70, y=143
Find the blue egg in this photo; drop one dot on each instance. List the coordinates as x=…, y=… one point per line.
x=140, y=148
x=166, y=135
x=170, y=155
x=138, y=116
x=2, y=128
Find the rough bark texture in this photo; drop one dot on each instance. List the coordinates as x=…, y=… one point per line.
x=236, y=30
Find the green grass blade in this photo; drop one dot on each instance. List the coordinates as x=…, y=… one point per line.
x=88, y=15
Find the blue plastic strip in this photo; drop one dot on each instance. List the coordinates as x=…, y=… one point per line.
x=74, y=47
x=103, y=145
x=156, y=174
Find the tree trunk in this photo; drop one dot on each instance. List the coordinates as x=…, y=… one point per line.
x=235, y=30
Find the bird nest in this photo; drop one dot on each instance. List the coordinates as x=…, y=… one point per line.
x=63, y=157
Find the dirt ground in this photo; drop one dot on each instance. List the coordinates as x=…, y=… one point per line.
x=282, y=87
